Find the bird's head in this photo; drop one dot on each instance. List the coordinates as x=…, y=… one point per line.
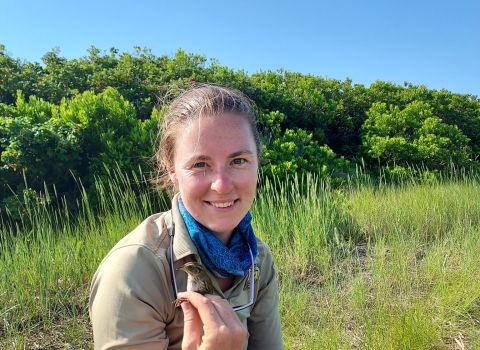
x=193, y=268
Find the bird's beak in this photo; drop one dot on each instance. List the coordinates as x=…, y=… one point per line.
x=181, y=268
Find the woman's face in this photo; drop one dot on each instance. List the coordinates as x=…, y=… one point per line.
x=215, y=168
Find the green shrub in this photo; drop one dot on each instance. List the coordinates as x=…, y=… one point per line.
x=110, y=134
x=412, y=136
x=44, y=145
x=297, y=153
x=38, y=143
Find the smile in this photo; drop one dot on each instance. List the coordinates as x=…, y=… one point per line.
x=222, y=205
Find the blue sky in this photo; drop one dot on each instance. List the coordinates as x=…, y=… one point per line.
x=425, y=42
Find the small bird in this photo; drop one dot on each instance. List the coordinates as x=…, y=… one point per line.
x=197, y=280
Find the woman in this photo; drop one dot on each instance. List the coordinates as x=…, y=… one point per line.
x=209, y=151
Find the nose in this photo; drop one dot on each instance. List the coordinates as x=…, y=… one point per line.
x=221, y=181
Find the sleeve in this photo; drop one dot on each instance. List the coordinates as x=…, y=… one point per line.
x=265, y=330
x=129, y=299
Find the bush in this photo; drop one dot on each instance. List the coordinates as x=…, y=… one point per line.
x=44, y=145
x=37, y=142
x=111, y=136
x=297, y=153
x=413, y=136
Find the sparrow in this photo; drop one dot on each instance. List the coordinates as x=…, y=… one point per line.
x=197, y=280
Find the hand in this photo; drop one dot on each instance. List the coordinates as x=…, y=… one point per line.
x=221, y=326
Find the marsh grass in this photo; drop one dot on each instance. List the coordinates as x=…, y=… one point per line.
x=367, y=266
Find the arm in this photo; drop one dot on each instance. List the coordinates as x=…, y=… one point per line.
x=128, y=301
x=264, y=322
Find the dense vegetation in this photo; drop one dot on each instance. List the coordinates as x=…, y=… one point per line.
x=66, y=120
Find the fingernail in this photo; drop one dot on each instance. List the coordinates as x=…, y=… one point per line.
x=185, y=306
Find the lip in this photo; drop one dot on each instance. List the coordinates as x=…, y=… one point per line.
x=212, y=204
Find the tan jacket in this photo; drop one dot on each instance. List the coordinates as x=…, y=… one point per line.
x=132, y=291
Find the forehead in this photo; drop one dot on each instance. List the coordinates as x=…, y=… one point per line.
x=218, y=133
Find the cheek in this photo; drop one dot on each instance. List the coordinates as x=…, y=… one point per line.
x=249, y=182
x=194, y=185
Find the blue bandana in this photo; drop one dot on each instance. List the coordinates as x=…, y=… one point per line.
x=223, y=261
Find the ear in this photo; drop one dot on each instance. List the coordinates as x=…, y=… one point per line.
x=173, y=176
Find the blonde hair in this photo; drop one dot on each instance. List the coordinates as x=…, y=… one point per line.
x=206, y=100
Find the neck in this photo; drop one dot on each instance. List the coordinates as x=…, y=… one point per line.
x=224, y=237
x=225, y=283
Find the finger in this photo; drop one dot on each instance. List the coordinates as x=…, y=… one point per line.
x=227, y=314
x=205, y=308
x=192, y=327
x=223, y=308
x=220, y=323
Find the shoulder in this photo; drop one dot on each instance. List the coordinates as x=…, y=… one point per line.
x=145, y=246
x=150, y=234
x=264, y=253
x=131, y=294
x=135, y=271
x=265, y=264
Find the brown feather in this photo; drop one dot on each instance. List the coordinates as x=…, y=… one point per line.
x=197, y=280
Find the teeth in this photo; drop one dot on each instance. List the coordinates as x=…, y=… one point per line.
x=222, y=205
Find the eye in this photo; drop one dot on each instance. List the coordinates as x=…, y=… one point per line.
x=200, y=165
x=239, y=161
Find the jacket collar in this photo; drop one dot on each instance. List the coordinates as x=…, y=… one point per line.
x=183, y=245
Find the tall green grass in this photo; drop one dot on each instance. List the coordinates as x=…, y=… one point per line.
x=48, y=258
x=367, y=266
x=376, y=266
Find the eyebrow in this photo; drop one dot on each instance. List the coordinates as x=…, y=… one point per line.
x=232, y=155
x=239, y=153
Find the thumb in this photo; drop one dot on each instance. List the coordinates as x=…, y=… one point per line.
x=192, y=327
